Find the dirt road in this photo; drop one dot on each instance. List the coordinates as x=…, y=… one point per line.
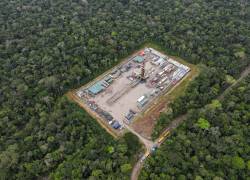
x=150, y=144
x=242, y=76
x=174, y=124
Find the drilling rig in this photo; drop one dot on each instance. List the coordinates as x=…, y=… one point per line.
x=143, y=72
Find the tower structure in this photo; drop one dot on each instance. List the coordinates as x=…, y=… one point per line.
x=143, y=71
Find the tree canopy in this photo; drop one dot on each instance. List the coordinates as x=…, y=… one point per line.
x=216, y=146
x=50, y=47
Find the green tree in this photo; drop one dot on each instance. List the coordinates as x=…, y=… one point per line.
x=203, y=123
x=126, y=168
x=238, y=162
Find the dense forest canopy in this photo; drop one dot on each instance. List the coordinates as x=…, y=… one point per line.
x=212, y=144
x=48, y=47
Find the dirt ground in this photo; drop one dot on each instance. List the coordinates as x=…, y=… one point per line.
x=146, y=117
x=145, y=125
x=126, y=94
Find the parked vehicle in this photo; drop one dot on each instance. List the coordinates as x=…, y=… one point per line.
x=116, y=125
x=129, y=116
x=145, y=156
x=132, y=111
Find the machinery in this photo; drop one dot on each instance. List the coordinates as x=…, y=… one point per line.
x=143, y=71
x=167, y=133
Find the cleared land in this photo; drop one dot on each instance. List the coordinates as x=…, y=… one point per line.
x=145, y=123
x=124, y=95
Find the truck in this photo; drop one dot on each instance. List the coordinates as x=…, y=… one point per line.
x=166, y=133
x=116, y=125
x=129, y=116
x=163, y=136
x=160, y=139
x=145, y=156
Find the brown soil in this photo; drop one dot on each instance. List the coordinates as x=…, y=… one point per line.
x=145, y=125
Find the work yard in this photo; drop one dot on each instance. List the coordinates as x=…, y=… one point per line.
x=132, y=93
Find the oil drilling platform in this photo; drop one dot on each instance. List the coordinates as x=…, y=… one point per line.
x=141, y=79
x=142, y=76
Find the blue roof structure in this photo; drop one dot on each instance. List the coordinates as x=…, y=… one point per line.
x=138, y=59
x=96, y=88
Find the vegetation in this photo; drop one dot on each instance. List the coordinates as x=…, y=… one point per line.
x=70, y=138
x=208, y=85
x=49, y=47
x=96, y=161
x=212, y=144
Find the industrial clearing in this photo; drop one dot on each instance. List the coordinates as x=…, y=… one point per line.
x=131, y=96
x=118, y=97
